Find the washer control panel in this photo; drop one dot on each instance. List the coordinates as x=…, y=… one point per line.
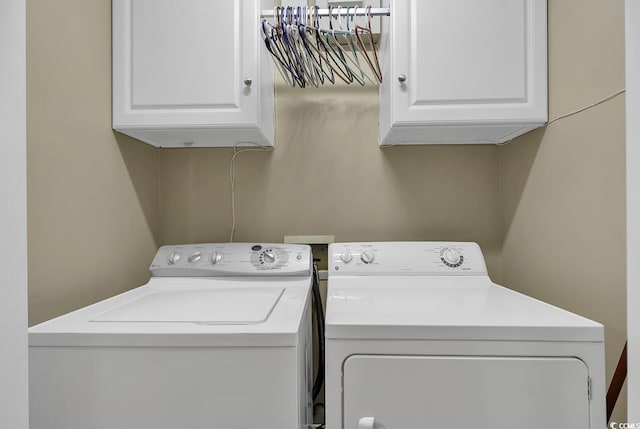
x=269, y=257
x=232, y=260
x=409, y=258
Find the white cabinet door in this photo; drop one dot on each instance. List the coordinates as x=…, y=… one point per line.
x=402, y=392
x=463, y=71
x=191, y=73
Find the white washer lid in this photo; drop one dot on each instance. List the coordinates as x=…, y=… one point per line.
x=209, y=307
x=250, y=313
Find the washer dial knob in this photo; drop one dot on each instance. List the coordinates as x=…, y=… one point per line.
x=195, y=257
x=216, y=257
x=367, y=257
x=269, y=256
x=346, y=257
x=174, y=257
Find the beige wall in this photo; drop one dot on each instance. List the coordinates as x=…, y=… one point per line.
x=328, y=176
x=92, y=197
x=562, y=188
x=547, y=209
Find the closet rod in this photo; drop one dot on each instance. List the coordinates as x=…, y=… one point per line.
x=361, y=11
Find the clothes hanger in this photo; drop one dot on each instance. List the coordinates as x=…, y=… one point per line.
x=338, y=45
x=307, y=43
x=374, y=63
x=317, y=44
x=354, y=51
x=315, y=47
x=313, y=62
x=294, y=61
x=278, y=48
x=306, y=64
x=288, y=34
x=305, y=54
x=336, y=54
x=270, y=33
x=353, y=64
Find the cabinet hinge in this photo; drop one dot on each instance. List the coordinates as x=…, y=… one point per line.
x=589, y=387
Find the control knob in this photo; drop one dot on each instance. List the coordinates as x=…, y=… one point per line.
x=269, y=257
x=216, y=257
x=346, y=256
x=195, y=257
x=367, y=257
x=451, y=257
x=174, y=257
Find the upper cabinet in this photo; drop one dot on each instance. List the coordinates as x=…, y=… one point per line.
x=463, y=71
x=195, y=72
x=191, y=73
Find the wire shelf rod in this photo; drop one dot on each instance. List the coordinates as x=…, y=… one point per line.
x=361, y=11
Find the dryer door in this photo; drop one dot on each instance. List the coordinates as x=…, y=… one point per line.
x=458, y=392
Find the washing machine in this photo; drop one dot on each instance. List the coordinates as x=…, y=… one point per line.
x=220, y=337
x=418, y=336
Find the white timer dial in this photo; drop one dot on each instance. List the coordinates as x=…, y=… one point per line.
x=367, y=257
x=451, y=257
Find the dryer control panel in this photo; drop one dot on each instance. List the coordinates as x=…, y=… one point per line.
x=232, y=260
x=406, y=258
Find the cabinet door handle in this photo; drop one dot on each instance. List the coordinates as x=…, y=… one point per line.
x=248, y=81
x=402, y=78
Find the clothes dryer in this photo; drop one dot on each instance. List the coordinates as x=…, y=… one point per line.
x=418, y=336
x=220, y=337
